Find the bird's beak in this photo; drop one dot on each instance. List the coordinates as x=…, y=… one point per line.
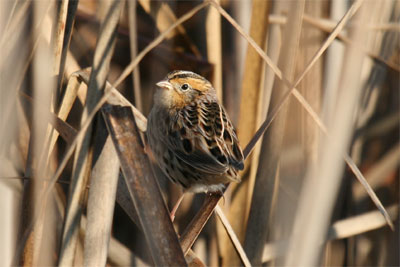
x=164, y=84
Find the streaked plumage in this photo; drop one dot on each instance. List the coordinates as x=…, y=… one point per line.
x=191, y=136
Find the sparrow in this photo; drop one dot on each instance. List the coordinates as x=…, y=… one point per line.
x=191, y=136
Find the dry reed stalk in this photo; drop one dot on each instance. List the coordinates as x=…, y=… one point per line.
x=334, y=57
x=59, y=36
x=301, y=135
x=249, y=118
x=110, y=12
x=252, y=75
x=214, y=47
x=152, y=212
x=134, y=50
x=196, y=225
x=68, y=27
x=125, y=200
x=311, y=85
x=257, y=229
x=273, y=50
x=322, y=182
x=101, y=200
x=232, y=236
x=242, y=13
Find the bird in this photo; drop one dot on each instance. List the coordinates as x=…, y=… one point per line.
x=190, y=135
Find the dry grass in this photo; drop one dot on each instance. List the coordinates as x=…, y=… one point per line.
x=316, y=104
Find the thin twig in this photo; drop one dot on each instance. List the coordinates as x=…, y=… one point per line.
x=232, y=236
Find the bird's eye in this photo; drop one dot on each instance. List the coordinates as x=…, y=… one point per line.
x=185, y=86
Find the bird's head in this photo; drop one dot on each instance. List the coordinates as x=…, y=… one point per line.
x=181, y=88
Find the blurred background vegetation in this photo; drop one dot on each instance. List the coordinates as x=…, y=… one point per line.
x=321, y=186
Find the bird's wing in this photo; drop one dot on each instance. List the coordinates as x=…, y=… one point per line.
x=203, y=137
